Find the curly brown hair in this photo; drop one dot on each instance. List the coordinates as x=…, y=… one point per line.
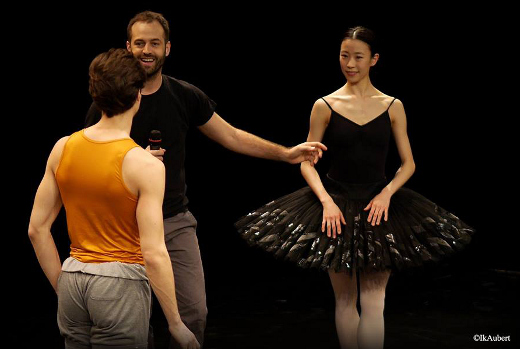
x=116, y=77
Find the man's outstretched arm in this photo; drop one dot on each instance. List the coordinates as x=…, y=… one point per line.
x=246, y=143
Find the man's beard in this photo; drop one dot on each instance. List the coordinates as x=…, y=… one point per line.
x=156, y=68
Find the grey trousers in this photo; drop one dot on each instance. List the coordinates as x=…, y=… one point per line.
x=190, y=289
x=96, y=312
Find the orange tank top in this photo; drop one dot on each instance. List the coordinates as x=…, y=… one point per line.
x=100, y=209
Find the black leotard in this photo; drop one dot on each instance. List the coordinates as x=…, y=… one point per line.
x=358, y=152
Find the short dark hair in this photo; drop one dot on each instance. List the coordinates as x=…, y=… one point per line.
x=148, y=17
x=116, y=77
x=364, y=34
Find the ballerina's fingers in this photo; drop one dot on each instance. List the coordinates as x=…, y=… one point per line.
x=371, y=208
x=333, y=225
x=336, y=227
x=379, y=211
x=326, y=223
x=377, y=217
x=339, y=221
x=372, y=216
x=384, y=212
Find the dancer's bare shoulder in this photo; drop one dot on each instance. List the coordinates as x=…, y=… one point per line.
x=56, y=153
x=140, y=158
x=321, y=112
x=140, y=167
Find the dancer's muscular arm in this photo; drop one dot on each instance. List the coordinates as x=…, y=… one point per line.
x=47, y=205
x=332, y=216
x=246, y=143
x=147, y=174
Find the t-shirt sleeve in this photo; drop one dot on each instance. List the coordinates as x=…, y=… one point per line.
x=93, y=115
x=200, y=107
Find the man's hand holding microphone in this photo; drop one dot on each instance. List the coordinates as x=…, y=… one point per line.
x=154, y=145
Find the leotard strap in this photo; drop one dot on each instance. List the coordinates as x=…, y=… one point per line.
x=326, y=103
x=389, y=105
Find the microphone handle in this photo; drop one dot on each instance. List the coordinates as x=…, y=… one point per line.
x=155, y=145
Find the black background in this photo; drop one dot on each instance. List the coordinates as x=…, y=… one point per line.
x=265, y=66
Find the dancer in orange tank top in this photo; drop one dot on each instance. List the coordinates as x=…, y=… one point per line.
x=90, y=175
x=112, y=191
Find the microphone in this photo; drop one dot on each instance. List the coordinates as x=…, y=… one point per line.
x=155, y=140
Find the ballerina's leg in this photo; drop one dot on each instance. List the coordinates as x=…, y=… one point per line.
x=371, y=332
x=347, y=316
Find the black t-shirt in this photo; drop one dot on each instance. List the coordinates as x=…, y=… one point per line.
x=173, y=109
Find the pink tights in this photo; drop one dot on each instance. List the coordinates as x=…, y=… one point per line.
x=368, y=330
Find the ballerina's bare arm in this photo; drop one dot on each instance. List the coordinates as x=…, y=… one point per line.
x=380, y=203
x=332, y=216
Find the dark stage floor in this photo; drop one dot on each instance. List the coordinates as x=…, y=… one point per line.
x=436, y=309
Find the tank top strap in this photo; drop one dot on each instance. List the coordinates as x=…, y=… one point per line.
x=391, y=104
x=326, y=103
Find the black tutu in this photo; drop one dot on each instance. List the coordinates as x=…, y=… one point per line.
x=418, y=232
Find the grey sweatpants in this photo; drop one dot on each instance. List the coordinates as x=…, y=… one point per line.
x=100, y=312
x=183, y=247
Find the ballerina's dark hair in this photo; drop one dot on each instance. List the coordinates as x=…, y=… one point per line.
x=364, y=34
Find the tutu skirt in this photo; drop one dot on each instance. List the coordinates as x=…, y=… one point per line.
x=417, y=232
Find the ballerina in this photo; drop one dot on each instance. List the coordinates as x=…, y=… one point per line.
x=373, y=226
